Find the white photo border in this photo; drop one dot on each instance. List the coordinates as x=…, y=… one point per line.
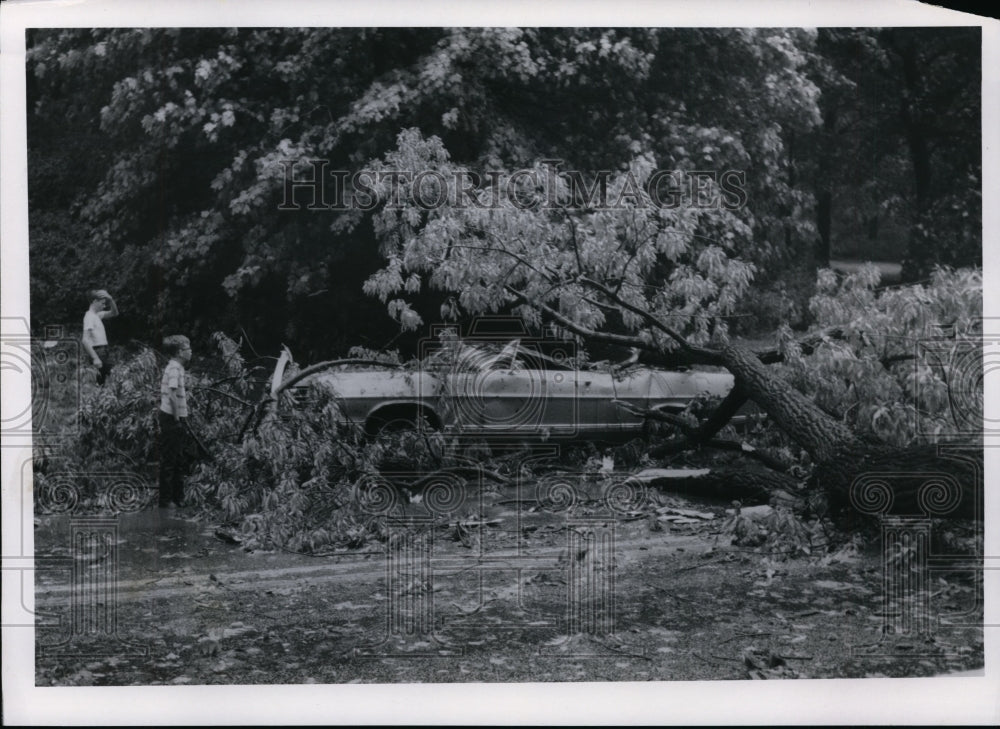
x=945, y=700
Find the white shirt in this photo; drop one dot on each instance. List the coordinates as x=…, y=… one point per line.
x=92, y=322
x=173, y=379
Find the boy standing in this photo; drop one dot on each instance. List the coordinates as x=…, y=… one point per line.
x=95, y=340
x=173, y=411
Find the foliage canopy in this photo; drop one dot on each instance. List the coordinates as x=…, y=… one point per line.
x=160, y=156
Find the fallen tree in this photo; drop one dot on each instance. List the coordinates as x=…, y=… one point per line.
x=869, y=409
x=841, y=458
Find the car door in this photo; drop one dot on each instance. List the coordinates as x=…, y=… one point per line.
x=517, y=393
x=489, y=395
x=631, y=387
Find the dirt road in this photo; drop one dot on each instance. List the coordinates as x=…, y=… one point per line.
x=518, y=593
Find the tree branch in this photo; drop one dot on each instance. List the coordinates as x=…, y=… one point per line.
x=700, y=436
x=632, y=257
x=256, y=415
x=709, y=355
x=679, y=445
x=490, y=249
x=231, y=396
x=313, y=369
x=567, y=323
x=721, y=416
x=806, y=345
x=688, y=354
x=576, y=247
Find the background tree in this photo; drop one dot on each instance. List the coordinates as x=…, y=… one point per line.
x=897, y=167
x=161, y=155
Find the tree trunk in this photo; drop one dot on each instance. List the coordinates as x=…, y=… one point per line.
x=824, y=196
x=918, y=256
x=919, y=481
x=748, y=484
x=843, y=462
x=824, y=225
x=793, y=412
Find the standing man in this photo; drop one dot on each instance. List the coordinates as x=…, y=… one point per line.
x=95, y=340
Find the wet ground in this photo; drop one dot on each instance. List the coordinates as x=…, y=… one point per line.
x=514, y=592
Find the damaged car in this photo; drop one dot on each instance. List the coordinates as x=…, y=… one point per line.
x=516, y=390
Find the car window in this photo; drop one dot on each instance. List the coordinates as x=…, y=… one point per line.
x=513, y=355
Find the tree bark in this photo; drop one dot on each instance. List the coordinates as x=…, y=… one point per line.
x=680, y=445
x=793, y=412
x=824, y=226
x=749, y=485
x=923, y=480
